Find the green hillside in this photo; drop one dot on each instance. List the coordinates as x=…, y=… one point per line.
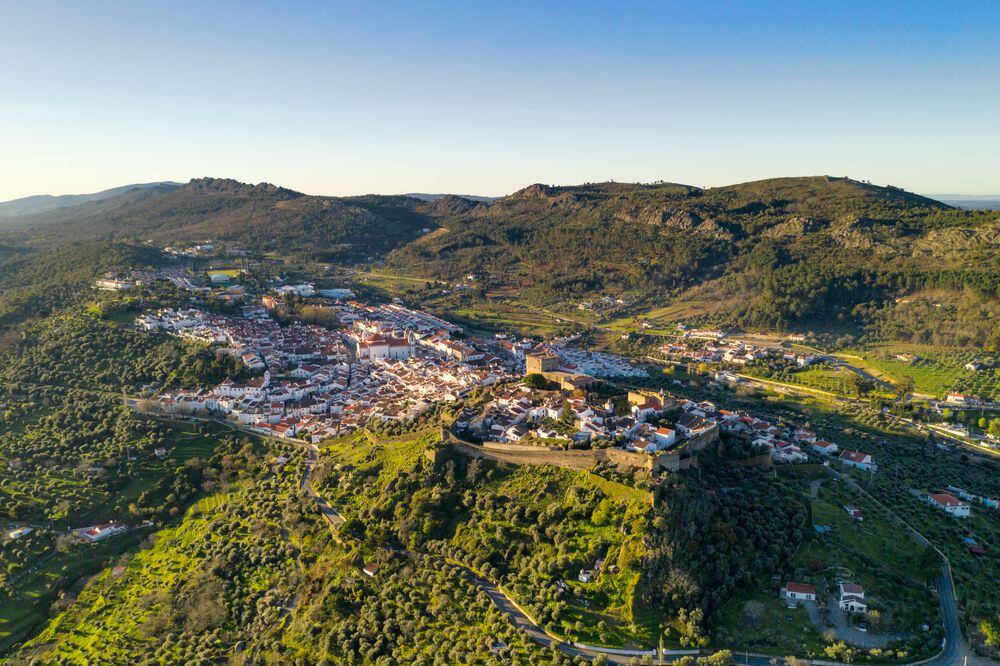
x=782, y=253
x=815, y=253
x=257, y=217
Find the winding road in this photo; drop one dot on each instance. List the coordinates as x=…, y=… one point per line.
x=954, y=650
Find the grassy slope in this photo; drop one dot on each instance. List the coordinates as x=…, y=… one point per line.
x=106, y=623
x=73, y=502
x=611, y=598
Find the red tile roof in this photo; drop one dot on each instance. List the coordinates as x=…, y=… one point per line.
x=801, y=588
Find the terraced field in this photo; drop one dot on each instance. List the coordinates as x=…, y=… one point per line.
x=935, y=370
x=835, y=380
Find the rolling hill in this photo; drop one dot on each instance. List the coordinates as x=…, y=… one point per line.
x=259, y=217
x=783, y=253
x=817, y=252
x=44, y=203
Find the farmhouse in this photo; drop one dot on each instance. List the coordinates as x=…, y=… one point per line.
x=857, y=459
x=99, y=532
x=852, y=598
x=963, y=399
x=949, y=504
x=799, y=591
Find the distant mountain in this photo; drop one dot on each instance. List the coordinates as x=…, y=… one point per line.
x=970, y=201
x=259, y=217
x=434, y=197
x=43, y=203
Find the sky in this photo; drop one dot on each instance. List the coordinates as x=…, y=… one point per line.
x=487, y=97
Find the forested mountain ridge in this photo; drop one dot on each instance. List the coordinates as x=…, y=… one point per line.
x=778, y=253
x=775, y=253
x=261, y=217
x=44, y=203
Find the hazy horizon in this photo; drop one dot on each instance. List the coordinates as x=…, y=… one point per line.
x=341, y=99
x=957, y=195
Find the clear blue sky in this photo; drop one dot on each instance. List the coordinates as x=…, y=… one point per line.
x=486, y=97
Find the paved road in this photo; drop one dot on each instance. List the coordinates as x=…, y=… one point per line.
x=954, y=651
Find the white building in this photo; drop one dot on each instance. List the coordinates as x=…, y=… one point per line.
x=664, y=437
x=380, y=348
x=949, y=504
x=799, y=591
x=852, y=598
x=857, y=459
x=99, y=532
x=824, y=447
x=304, y=290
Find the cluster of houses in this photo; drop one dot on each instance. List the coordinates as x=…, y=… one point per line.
x=719, y=350
x=964, y=399
x=604, y=304
x=199, y=250
x=650, y=421
x=516, y=413
x=308, y=290
x=987, y=502
x=786, y=443
x=386, y=363
x=125, y=280
x=850, y=597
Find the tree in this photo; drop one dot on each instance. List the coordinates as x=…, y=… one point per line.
x=720, y=658
x=753, y=611
x=904, y=388
x=536, y=381
x=861, y=385
x=991, y=630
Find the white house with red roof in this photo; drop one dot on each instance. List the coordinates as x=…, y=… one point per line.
x=825, y=448
x=380, y=347
x=949, y=504
x=664, y=437
x=99, y=532
x=803, y=435
x=799, y=591
x=857, y=459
